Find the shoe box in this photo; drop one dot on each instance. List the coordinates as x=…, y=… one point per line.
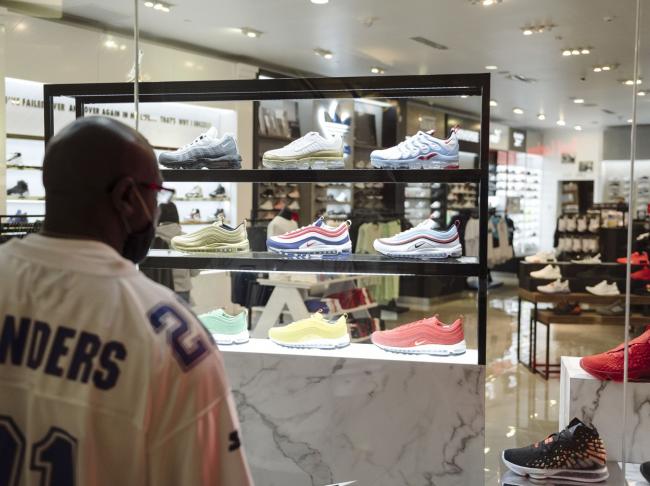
x=580, y=275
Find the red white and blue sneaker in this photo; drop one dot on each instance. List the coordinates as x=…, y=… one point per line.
x=422, y=241
x=315, y=239
x=421, y=151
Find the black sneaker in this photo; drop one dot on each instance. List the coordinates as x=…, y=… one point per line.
x=645, y=471
x=20, y=189
x=218, y=193
x=577, y=454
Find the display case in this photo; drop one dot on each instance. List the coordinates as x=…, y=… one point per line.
x=358, y=412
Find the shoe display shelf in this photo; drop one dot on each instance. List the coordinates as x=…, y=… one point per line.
x=25, y=192
x=600, y=403
x=435, y=403
x=517, y=192
x=615, y=184
x=579, y=276
x=288, y=298
x=19, y=226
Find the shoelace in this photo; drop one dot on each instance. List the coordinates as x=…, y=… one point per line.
x=301, y=141
x=200, y=137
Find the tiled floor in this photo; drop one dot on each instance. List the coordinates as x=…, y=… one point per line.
x=521, y=407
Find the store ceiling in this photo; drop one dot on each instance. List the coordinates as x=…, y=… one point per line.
x=366, y=33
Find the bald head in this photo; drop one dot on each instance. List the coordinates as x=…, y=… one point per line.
x=95, y=174
x=90, y=154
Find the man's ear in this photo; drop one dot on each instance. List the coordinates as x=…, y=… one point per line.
x=122, y=197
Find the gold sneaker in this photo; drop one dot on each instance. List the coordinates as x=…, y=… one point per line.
x=218, y=237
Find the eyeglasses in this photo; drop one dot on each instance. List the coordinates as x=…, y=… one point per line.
x=163, y=194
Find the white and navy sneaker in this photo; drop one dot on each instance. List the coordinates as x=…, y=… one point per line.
x=309, y=151
x=421, y=151
x=315, y=239
x=422, y=241
x=207, y=150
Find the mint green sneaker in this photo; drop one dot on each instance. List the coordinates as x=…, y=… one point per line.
x=226, y=329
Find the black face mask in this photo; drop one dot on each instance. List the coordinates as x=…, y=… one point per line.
x=137, y=243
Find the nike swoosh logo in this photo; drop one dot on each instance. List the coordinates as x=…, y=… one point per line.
x=420, y=244
x=420, y=342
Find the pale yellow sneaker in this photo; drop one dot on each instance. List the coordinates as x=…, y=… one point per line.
x=218, y=237
x=313, y=332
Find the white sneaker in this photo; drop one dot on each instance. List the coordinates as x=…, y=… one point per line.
x=571, y=224
x=576, y=245
x=582, y=224
x=603, y=288
x=421, y=151
x=312, y=150
x=549, y=272
x=594, y=225
x=561, y=224
x=541, y=257
x=422, y=241
x=435, y=205
x=589, y=260
x=555, y=287
x=267, y=205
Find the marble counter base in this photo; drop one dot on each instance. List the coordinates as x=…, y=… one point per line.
x=319, y=420
x=601, y=403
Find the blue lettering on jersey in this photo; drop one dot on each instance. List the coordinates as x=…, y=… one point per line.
x=60, y=351
x=188, y=354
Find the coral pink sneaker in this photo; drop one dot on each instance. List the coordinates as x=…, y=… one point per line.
x=428, y=336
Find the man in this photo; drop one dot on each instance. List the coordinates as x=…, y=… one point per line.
x=106, y=378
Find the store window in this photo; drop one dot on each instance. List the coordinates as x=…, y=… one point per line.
x=406, y=224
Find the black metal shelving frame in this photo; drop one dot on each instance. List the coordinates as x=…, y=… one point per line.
x=392, y=87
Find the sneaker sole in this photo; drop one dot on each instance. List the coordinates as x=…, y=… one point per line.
x=432, y=349
x=318, y=344
x=209, y=249
x=319, y=163
x=308, y=253
x=228, y=339
x=415, y=164
x=428, y=254
x=593, y=476
x=218, y=163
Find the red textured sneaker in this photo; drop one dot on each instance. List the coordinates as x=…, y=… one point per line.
x=609, y=365
x=428, y=336
x=643, y=274
x=636, y=258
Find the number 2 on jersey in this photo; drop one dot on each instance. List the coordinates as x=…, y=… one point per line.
x=164, y=316
x=54, y=456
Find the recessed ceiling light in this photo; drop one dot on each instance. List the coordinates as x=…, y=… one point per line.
x=575, y=52
x=487, y=3
x=110, y=44
x=577, y=128
x=518, y=111
x=566, y=52
x=541, y=117
x=123, y=47
x=606, y=68
x=160, y=6
x=252, y=33
x=491, y=67
x=578, y=101
x=527, y=32
x=20, y=26
x=320, y=2
x=629, y=120
x=560, y=122
x=641, y=93
x=585, y=51
x=494, y=103
x=630, y=82
x=376, y=70
x=324, y=53
x=597, y=69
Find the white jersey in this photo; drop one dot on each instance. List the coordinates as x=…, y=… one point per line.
x=106, y=378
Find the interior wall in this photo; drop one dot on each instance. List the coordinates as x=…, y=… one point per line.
x=586, y=145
